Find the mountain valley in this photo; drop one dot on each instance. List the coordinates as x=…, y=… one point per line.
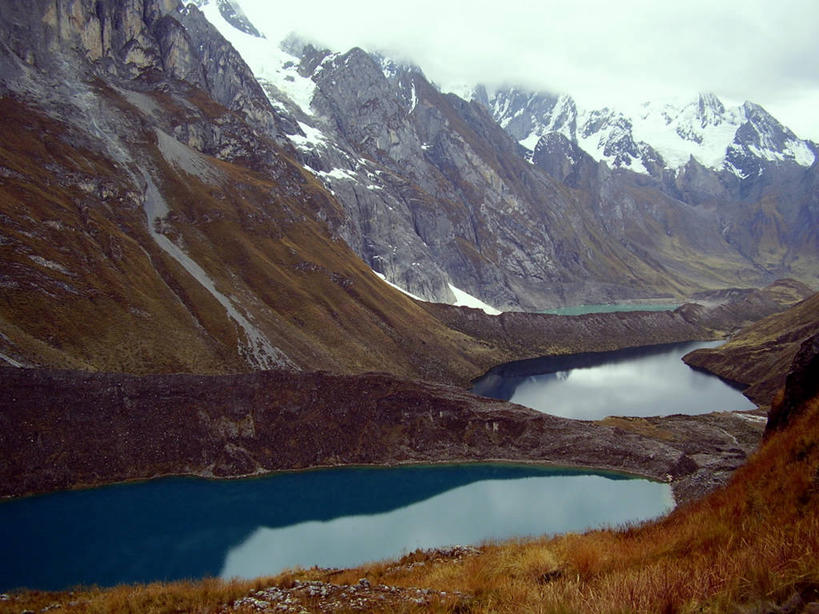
x=224, y=255
x=261, y=200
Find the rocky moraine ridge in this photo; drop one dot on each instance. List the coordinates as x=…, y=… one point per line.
x=84, y=429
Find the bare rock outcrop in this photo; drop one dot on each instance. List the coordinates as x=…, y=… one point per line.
x=801, y=384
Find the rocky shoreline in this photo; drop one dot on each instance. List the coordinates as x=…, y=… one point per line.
x=78, y=429
x=760, y=356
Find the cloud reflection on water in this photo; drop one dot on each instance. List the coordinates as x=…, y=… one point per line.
x=466, y=515
x=655, y=384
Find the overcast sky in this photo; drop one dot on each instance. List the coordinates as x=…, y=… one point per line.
x=600, y=52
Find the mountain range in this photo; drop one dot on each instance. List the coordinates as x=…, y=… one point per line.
x=179, y=193
x=727, y=160
x=223, y=255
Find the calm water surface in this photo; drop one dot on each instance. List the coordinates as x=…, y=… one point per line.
x=188, y=528
x=644, y=381
x=579, y=310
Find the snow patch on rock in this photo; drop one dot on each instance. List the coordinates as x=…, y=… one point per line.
x=268, y=61
x=464, y=299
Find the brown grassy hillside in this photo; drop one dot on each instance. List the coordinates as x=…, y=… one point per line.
x=84, y=285
x=759, y=356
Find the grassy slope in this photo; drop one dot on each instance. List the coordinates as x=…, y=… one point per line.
x=755, y=541
x=760, y=354
x=85, y=286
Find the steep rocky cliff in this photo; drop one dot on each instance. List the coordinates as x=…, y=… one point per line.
x=153, y=218
x=436, y=194
x=473, y=212
x=801, y=385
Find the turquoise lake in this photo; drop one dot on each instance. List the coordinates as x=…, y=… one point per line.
x=579, y=310
x=191, y=528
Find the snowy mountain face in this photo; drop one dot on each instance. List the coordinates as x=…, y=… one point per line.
x=657, y=136
x=440, y=195
x=232, y=14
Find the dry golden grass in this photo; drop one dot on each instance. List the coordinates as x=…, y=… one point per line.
x=638, y=425
x=202, y=596
x=108, y=298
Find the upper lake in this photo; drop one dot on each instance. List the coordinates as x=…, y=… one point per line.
x=192, y=528
x=579, y=310
x=643, y=381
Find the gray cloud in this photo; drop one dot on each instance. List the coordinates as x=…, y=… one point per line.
x=599, y=51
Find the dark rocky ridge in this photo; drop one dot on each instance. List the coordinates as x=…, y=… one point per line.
x=83, y=429
x=801, y=384
x=539, y=334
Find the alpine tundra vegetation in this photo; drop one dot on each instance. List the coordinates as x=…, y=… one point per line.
x=227, y=250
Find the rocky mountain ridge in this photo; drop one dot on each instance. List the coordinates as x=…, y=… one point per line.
x=655, y=136
x=167, y=207
x=154, y=218
x=473, y=217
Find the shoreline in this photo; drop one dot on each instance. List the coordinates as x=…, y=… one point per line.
x=456, y=462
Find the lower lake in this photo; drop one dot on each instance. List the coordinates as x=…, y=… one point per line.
x=179, y=528
x=642, y=381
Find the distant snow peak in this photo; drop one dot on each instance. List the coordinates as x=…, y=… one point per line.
x=710, y=110
x=656, y=134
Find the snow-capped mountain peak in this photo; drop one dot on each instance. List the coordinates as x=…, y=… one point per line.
x=710, y=110
x=702, y=128
x=275, y=69
x=760, y=139
x=232, y=13
x=658, y=134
